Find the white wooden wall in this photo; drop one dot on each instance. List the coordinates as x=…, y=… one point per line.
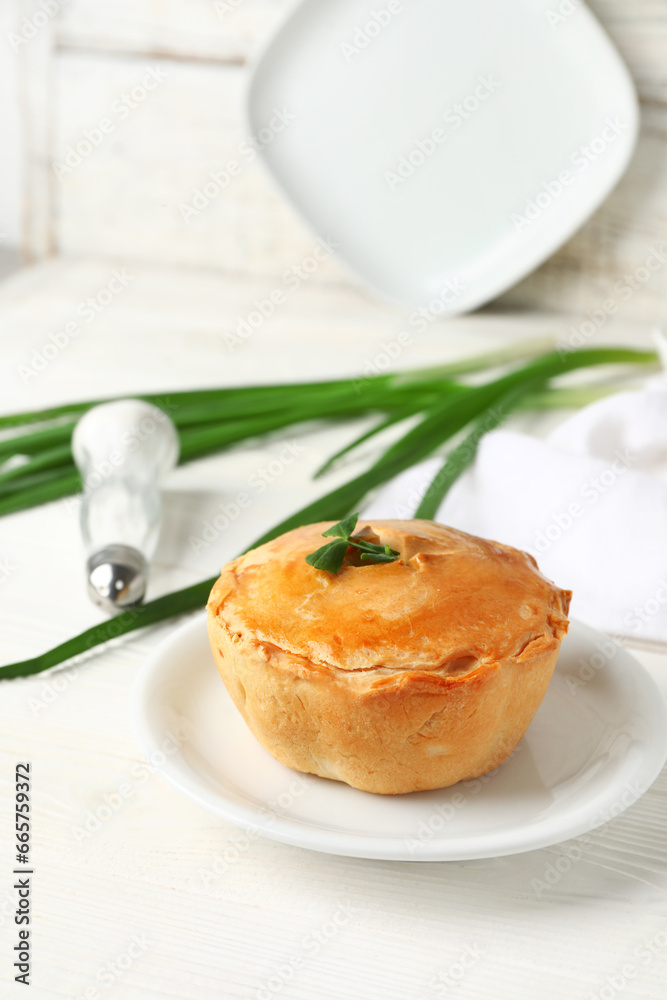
x=123, y=199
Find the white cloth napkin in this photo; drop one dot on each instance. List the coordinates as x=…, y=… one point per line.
x=589, y=502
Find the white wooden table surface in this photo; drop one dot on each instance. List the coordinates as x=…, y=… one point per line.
x=160, y=899
x=163, y=900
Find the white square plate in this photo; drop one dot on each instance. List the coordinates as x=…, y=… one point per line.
x=448, y=148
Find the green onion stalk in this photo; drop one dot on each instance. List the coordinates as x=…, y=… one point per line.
x=36, y=463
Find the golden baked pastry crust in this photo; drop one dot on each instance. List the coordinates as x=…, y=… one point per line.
x=395, y=677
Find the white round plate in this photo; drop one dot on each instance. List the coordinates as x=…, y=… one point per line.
x=596, y=744
x=442, y=148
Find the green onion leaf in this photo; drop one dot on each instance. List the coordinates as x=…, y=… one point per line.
x=330, y=557
x=344, y=528
x=463, y=455
x=215, y=419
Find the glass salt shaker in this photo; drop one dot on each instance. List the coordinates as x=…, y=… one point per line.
x=123, y=450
